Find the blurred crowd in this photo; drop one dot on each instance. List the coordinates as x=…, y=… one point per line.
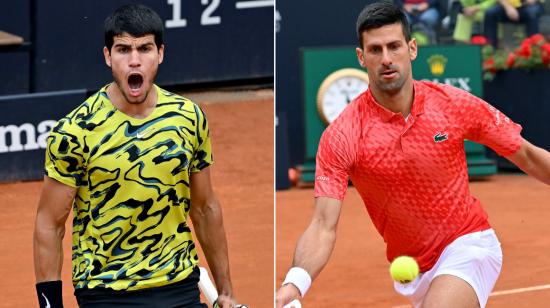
x=469, y=21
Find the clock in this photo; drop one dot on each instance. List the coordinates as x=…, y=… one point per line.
x=337, y=90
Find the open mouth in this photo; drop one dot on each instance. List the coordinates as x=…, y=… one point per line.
x=135, y=81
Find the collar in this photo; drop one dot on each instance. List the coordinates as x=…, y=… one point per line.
x=417, y=107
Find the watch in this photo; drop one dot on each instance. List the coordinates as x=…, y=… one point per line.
x=337, y=90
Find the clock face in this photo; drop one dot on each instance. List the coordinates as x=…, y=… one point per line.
x=338, y=90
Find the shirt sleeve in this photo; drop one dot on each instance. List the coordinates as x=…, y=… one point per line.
x=65, y=160
x=202, y=157
x=333, y=164
x=485, y=124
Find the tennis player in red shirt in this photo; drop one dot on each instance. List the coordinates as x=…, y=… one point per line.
x=402, y=145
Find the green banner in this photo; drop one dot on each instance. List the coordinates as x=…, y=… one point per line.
x=459, y=66
x=318, y=64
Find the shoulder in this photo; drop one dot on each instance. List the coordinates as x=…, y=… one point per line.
x=347, y=127
x=444, y=95
x=439, y=90
x=68, y=136
x=177, y=103
x=189, y=116
x=167, y=98
x=352, y=116
x=94, y=109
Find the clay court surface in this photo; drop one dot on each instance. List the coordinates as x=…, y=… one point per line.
x=357, y=274
x=242, y=140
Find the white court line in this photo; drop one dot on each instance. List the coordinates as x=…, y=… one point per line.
x=521, y=290
x=253, y=4
x=504, y=292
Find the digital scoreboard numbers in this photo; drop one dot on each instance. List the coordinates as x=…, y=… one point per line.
x=210, y=15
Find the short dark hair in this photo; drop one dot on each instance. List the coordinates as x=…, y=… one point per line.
x=380, y=14
x=136, y=20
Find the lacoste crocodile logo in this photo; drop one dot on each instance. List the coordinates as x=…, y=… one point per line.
x=440, y=137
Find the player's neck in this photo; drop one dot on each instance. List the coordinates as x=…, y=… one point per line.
x=134, y=110
x=398, y=102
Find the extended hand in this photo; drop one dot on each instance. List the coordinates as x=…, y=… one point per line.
x=512, y=13
x=470, y=10
x=286, y=294
x=226, y=301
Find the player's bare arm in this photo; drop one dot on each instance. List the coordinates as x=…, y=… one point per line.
x=314, y=247
x=206, y=215
x=533, y=160
x=53, y=209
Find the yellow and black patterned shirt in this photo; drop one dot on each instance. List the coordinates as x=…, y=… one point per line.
x=130, y=227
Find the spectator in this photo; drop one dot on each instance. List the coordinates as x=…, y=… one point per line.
x=472, y=11
x=423, y=16
x=516, y=11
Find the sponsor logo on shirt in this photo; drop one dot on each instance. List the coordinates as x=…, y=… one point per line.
x=440, y=137
x=145, y=133
x=322, y=178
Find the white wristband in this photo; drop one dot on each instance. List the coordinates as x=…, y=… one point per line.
x=300, y=278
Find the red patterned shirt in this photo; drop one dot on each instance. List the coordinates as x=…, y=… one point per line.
x=412, y=174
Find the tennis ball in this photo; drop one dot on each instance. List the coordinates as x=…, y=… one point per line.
x=404, y=269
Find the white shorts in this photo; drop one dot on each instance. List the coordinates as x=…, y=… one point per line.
x=476, y=258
